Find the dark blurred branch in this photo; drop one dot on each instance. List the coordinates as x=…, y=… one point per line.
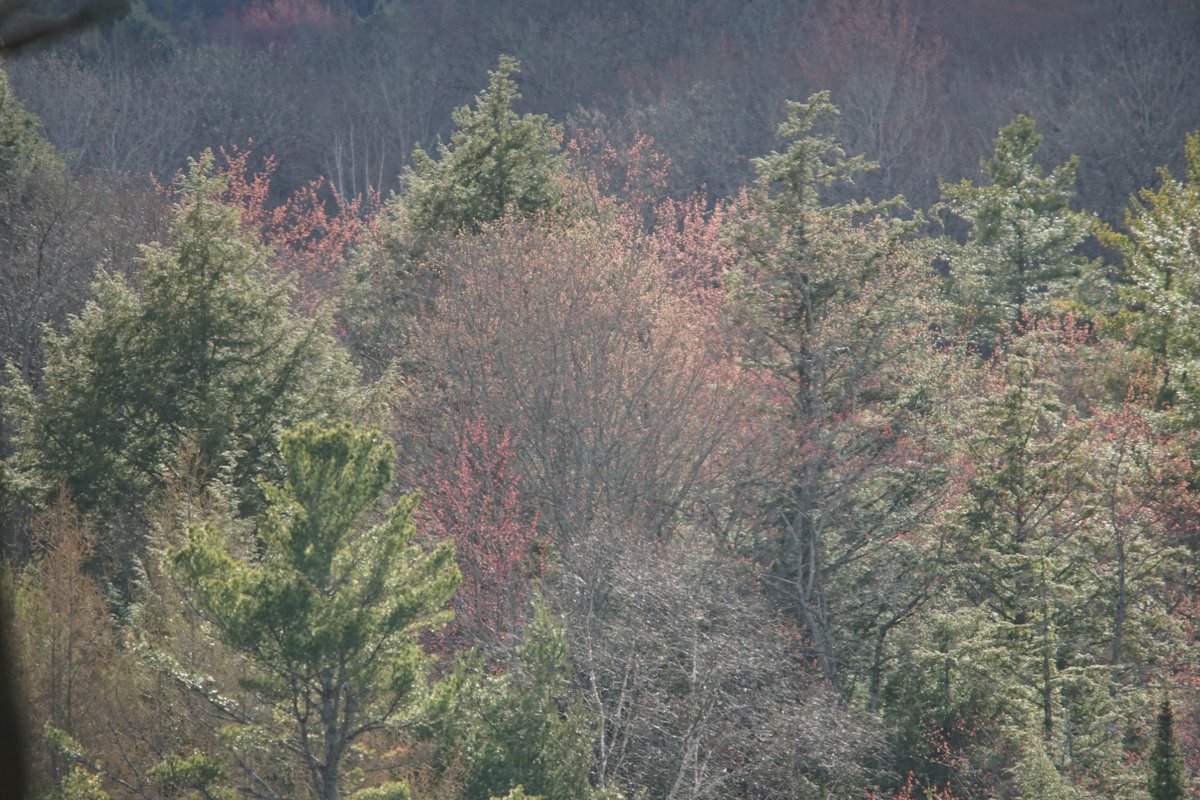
x=19, y=30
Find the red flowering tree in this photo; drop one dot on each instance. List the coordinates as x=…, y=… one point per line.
x=474, y=500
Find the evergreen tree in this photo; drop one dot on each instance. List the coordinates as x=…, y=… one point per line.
x=206, y=353
x=834, y=305
x=327, y=612
x=1021, y=248
x=1036, y=777
x=1168, y=779
x=41, y=213
x=519, y=729
x=496, y=161
x=1160, y=280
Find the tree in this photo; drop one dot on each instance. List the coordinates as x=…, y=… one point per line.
x=1168, y=775
x=699, y=689
x=327, y=612
x=520, y=727
x=577, y=343
x=496, y=161
x=1021, y=248
x=834, y=309
x=65, y=639
x=41, y=274
x=474, y=502
x=1035, y=775
x=1160, y=266
x=208, y=350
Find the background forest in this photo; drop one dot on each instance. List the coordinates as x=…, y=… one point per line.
x=641, y=399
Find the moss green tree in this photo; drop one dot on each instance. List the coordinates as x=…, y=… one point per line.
x=1022, y=238
x=1035, y=775
x=522, y=728
x=206, y=351
x=328, y=611
x=834, y=305
x=44, y=269
x=496, y=161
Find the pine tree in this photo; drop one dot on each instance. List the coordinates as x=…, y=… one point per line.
x=496, y=161
x=519, y=728
x=1036, y=777
x=1160, y=280
x=833, y=304
x=1167, y=780
x=327, y=614
x=1021, y=248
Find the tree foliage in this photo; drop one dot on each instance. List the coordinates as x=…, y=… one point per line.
x=1168, y=774
x=204, y=349
x=328, y=611
x=1022, y=243
x=519, y=729
x=834, y=308
x=496, y=161
x=1160, y=262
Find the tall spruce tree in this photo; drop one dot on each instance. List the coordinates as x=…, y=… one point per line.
x=496, y=161
x=1167, y=780
x=833, y=304
x=1160, y=281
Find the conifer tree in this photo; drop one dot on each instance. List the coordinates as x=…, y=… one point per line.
x=327, y=613
x=518, y=729
x=1167, y=780
x=1021, y=248
x=496, y=161
x=207, y=352
x=1160, y=280
x=834, y=306
x=1036, y=776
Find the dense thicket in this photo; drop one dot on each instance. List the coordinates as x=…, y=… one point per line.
x=549, y=474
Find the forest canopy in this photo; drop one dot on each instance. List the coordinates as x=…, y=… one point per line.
x=408, y=400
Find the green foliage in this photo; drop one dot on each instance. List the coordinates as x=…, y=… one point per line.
x=80, y=784
x=811, y=163
x=1055, y=564
x=192, y=776
x=519, y=730
x=1168, y=774
x=24, y=153
x=328, y=613
x=496, y=162
x=206, y=352
x=1035, y=775
x=517, y=793
x=41, y=266
x=1021, y=247
x=826, y=294
x=1029, y=488
x=1160, y=281
x=388, y=791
